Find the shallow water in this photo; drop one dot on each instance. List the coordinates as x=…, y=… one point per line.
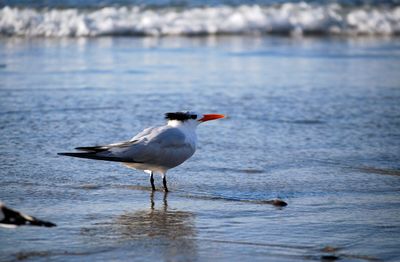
x=312, y=121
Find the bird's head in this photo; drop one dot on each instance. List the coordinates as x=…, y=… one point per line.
x=190, y=118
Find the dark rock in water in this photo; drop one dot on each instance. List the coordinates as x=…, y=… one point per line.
x=252, y=171
x=329, y=258
x=30, y=255
x=12, y=218
x=380, y=171
x=274, y=202
x=278, y=203
x=89, y=186
x=329, y=249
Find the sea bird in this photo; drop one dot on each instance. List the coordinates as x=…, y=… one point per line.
x=10, y=218
x=155, y=149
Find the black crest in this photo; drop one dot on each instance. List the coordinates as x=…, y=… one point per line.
x=180, y=116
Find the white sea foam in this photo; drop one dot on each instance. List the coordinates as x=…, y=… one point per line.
x=289, y=18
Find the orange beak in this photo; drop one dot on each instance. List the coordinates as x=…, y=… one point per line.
x=209, y=117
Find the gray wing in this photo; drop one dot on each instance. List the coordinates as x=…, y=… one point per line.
x=144, y=133
x=111, y=152
x=161, y=146
x=165, y=147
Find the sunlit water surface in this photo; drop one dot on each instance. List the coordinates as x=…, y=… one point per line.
x=312, y=121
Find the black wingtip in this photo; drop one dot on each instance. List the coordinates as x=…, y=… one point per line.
x=78, y=154
x=84, y=148
x=92, y=148
x=95, y=156
x=67, y=154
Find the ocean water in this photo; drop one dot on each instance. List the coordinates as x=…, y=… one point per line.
x=312, y=120
x=153, y=18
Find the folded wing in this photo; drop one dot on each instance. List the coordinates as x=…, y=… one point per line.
x=163, y=146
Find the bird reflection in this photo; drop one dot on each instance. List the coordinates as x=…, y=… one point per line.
x=171, y=232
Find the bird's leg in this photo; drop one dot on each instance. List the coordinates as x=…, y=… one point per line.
x=164, y=180
x=165, y=206
x=152, y=181
x=152, y=200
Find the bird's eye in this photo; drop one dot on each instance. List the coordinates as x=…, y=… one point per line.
x=193, y=116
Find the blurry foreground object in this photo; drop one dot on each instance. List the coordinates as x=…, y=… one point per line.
x=10, y=219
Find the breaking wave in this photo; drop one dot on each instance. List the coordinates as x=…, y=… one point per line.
x=288, y=19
